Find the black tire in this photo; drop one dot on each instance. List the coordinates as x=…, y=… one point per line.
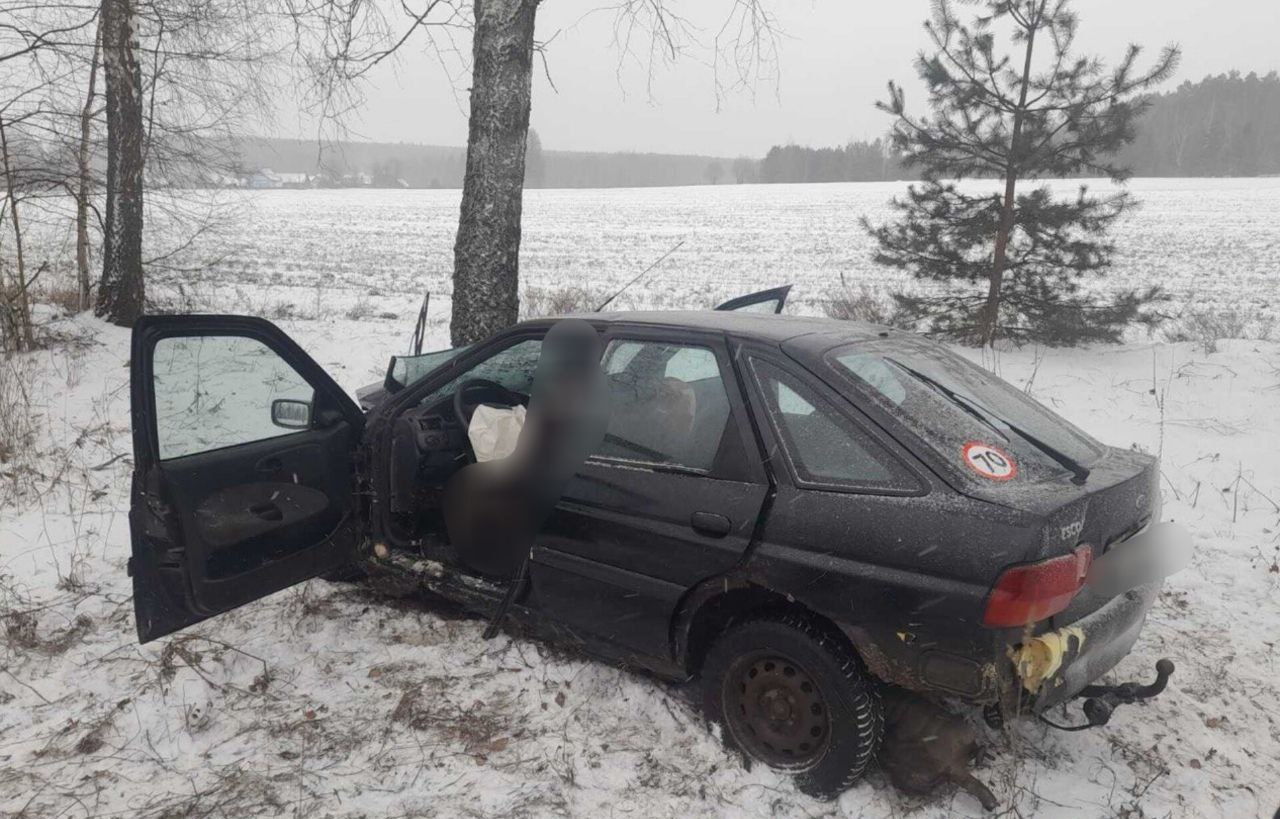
x=796, y=698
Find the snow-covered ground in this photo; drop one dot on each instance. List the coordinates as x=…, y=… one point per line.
x=326, y=700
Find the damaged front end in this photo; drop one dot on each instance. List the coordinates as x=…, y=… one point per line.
x=1056, y=666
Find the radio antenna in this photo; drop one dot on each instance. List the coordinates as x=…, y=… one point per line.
x=641, y=275
x=420, y=328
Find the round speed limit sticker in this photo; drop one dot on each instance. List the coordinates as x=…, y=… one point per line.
x=989, y=462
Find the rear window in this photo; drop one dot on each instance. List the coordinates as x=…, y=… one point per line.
x=984, y=429
x=822, y=445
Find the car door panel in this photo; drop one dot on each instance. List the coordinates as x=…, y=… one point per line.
x=643, y=520
x=260, y=502
x=626, y=608
x=218, y=522
x=629, y=538
x=622, y=549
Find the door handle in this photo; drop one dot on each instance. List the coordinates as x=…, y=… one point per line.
x=710, y=524
x=269, y=465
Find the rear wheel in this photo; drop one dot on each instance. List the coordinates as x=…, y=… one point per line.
x=795, y=698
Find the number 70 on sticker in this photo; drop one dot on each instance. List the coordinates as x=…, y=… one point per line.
x=990, y=462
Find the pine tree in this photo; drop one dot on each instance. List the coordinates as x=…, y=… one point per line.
x=1011, y=262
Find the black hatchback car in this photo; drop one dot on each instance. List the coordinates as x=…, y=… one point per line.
x=793, y=510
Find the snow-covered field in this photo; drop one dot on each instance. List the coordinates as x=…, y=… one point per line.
x=1213, y=243
x=327, y=700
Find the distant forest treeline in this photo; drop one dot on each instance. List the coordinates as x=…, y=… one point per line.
x=389, y=165
x=1228, y=125
x=856, y=162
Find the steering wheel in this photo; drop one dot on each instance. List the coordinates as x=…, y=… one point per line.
x=464, y=407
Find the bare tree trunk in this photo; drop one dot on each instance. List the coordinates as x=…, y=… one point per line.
x=17, y=306
x=84, y=182
x=991, y=310
x=486, y=254
x=120, y=291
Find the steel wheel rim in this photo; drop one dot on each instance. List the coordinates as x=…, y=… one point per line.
x=775, y=710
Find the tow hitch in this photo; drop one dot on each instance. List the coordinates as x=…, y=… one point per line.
x=1100, y=701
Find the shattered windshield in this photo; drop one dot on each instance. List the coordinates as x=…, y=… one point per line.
x=971, y=417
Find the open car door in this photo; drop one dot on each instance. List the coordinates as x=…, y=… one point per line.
x=243, y=468
x=766, y=301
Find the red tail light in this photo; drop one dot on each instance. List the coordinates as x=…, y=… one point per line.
x=1025, y=594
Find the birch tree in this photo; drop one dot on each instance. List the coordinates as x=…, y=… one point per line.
x=486, y=255
x=121, y=291
x=84, y=179
x=15, y=304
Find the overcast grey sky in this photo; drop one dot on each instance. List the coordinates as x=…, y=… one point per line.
x=833, y=64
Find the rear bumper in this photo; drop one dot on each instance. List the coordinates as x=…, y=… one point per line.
x=1093, y=645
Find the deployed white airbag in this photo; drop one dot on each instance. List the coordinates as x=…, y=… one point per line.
x=494, y=431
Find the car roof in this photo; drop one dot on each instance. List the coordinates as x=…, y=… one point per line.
x=770, y=327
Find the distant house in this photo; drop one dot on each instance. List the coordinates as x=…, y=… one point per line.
x=264, y=178
x=356, y=180
x=295, y=180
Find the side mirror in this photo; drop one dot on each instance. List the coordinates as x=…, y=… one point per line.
x=291, y=413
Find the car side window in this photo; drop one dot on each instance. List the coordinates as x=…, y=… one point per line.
x=823, y=446
x=512, y=367
x=213, y=392
x=669, y=404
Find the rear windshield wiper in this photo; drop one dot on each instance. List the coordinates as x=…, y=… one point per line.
x=1079, y=472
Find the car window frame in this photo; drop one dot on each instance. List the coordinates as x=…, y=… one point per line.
x=742, y=466
x=918, y=483
x=285, y=432
x=413, y=395
x=458, y=372
x=393, y=386
x=327, y=396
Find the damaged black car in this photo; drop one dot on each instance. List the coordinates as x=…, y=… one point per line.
x=793, y=511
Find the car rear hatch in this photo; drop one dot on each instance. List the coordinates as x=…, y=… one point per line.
x=1121, y=498
x=992, y=442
